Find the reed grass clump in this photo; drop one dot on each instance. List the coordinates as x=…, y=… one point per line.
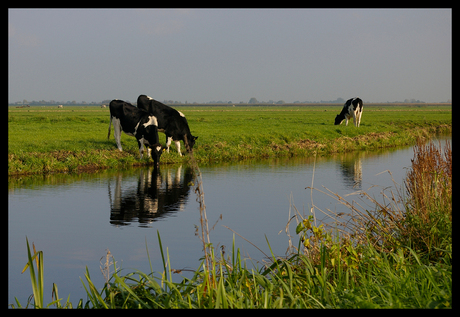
x=417, y=216
x=402, y=233
x=427, y=225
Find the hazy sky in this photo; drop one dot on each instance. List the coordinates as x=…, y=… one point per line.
x=230, y=54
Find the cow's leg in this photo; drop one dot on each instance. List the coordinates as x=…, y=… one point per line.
x=346, y=121
x=359, y=117
x=141, y=146
x=168, y=142
x=178, y=147
x=354, y=119
x=117, y=132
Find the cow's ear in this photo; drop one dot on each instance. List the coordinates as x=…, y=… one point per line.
x=195, y=137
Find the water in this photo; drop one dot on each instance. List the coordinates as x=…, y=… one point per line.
x=75, y=219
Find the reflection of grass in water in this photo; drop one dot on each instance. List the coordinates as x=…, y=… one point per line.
x=378, y=259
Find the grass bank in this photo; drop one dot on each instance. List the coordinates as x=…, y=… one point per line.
x=395, y=255
x=74, y=139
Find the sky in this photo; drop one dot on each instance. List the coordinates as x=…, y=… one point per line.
x=202, y=55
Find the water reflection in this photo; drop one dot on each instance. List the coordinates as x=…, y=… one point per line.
x=157, y=193
x=351, y=169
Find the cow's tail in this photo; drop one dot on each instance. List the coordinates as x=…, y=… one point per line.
x=110, y=125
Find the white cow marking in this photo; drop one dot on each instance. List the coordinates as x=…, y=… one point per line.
x=168, y=143
x=117, y=132
x=178, y=147
x=152, y=120
x=141, y=149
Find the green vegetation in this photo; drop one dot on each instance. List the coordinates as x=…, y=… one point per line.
x=397, y=254
x=74, y=139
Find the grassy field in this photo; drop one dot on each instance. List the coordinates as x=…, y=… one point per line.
x=72, y=139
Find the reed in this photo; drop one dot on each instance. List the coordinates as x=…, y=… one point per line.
x=37, y=280
x=207, y=247
x=428, y=218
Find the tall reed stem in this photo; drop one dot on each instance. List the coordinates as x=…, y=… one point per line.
x=203, y=218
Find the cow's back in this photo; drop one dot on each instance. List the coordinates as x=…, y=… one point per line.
x=165, y=114
x=128, y=115
x=116, y=108
x=151, y=105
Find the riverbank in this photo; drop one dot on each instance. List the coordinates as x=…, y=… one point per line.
x=49, y=140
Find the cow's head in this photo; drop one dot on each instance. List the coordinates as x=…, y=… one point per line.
x=189, y=141
x=151, y=135
x=156, y=152
x=338, y=120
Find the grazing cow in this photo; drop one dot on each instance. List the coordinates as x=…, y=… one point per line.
x=60, y=106
x=170, y=121
x=352, y=108
x=137, y=123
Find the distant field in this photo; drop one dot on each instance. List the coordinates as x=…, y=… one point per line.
x=74, y=138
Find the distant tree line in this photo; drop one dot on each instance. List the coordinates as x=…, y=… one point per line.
x=252, y=100
x=54, y=102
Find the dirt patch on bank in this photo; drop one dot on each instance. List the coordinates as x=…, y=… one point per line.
x=302, y=144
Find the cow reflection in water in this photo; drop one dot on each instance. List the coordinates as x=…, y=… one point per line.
x=351, y=170
x=156, y=195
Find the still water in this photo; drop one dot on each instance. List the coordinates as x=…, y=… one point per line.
x=75, y=219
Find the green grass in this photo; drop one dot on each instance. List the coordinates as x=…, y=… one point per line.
x=73, y=139
x=378, y=280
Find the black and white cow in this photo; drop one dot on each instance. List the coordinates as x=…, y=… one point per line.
x=170, y=121
x=352, y=108
x=137, y=123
